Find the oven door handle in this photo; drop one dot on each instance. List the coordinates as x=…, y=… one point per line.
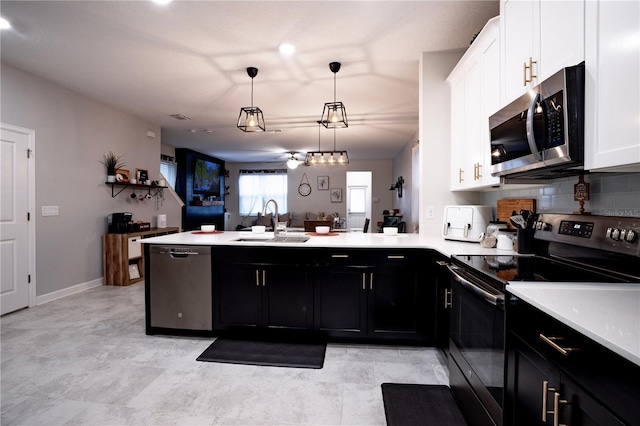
x=493, y=299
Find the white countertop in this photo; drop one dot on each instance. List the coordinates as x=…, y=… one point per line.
x=343, y=240
x=607, y=313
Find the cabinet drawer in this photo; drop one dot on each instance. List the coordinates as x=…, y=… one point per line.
x=134, y=247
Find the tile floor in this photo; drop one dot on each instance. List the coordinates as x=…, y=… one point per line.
x=85, y=360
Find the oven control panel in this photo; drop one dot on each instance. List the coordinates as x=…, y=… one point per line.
x=575, y=228
x=611, y=233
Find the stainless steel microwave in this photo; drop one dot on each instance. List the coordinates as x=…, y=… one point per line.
x=541, y=134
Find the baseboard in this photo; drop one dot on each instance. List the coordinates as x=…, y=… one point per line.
x=45, y=298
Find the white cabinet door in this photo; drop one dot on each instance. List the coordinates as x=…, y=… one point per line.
x=490, y=105
x=475, y=94
x=457, y=130
x=539, y=37
x=612, y=91
x=516, y=34
x=561, y=36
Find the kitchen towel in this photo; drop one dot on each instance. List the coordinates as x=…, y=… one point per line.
x=420, y=405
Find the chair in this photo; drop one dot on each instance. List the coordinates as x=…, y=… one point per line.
x=365, y=228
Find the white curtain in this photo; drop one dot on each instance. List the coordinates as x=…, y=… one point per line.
x=255, y=187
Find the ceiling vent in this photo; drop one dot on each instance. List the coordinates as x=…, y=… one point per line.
x=180, y=117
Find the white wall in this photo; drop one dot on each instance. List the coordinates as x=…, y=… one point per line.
x=435, y=140
x=72, y=133
x=318, y=200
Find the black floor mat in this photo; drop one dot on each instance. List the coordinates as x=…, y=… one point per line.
x=265, y=352
x=420, y=405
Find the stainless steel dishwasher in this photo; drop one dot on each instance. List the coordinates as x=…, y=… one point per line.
x=180, y=287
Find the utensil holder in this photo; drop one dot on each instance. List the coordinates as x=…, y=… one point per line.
x=526, y=240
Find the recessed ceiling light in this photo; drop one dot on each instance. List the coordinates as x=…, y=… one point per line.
x=162, y=2
x=4, y=24
x=287, y=49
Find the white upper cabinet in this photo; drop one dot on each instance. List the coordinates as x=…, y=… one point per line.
x=612, y=86
x=475, y=95
x=538, y=38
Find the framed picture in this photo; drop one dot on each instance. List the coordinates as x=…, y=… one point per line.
x=122, y=175
x=323, y=183
x=142, y=176
x=336, y=195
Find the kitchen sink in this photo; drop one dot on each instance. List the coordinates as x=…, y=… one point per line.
x=299, y=239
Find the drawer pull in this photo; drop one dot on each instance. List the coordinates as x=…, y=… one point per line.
x=551, y=341
x=340, y=256
x=395, y=256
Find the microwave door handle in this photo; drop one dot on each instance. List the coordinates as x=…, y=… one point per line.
x=495, y=300
x=531, y=138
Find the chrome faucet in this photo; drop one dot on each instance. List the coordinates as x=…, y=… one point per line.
x=264, y=213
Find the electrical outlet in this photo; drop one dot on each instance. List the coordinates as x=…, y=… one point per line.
x=50, y=211
x=431, y=212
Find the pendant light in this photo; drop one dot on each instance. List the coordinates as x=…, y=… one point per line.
x=334, y=113
x=326, y=157
x=251, y=118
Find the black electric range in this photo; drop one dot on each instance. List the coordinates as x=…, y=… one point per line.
x=568, y=248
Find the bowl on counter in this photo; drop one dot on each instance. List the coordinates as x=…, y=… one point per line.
x=258, y=229
x=208, y=228
x=322, y=229
x=390, y=230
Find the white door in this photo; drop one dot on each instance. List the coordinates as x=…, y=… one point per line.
x=358, y=199
x=16, y=194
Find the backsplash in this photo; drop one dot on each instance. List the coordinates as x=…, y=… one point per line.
x=611, y=194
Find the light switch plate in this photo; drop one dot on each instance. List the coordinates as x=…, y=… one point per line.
x=431, y=212
x=50, y=211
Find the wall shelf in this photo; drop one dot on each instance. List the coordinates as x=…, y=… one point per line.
x=124, y=186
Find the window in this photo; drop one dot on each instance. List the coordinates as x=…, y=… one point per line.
x=255, y=187
x=168, y=169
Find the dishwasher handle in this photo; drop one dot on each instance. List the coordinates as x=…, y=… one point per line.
x=176, y=252
x=493, y=299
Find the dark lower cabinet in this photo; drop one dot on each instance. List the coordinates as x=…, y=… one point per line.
x=377, y=295
x=588, y=386
x=254, y=290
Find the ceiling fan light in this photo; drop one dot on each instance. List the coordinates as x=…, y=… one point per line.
x=292, y=163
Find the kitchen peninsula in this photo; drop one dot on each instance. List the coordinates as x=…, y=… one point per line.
x=354, y=286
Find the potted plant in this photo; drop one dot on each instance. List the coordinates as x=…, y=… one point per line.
x=112, y=162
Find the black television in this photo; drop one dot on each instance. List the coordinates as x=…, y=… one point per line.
x=206, y=177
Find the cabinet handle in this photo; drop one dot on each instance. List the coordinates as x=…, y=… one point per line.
x=545, y=393
x=479, y=168
x=447, y=298
x=343, y=256
x=264, y=277
x=556, y=409
x=364, y=281
x=371, y=281
x=530, y=68
x=551, y=341
x=258, y=278
x=460, y=178
x=395, y=256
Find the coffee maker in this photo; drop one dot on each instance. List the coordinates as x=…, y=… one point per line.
x=119, y=223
